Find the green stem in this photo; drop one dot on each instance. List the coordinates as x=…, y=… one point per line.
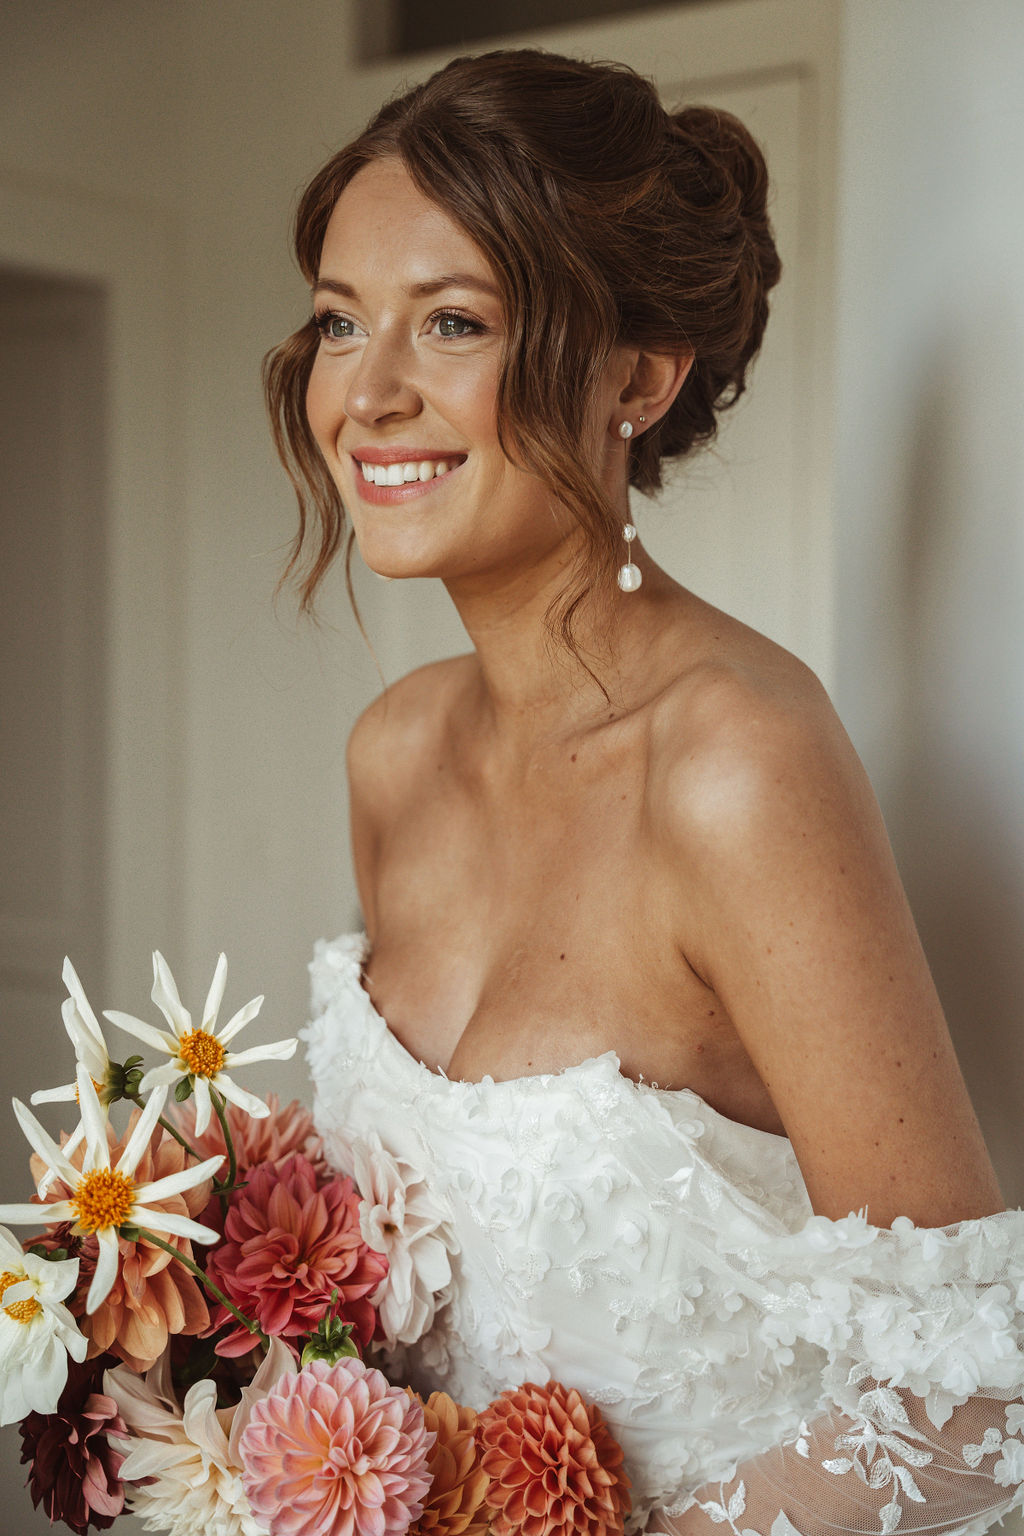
x=204, y=1279
x=224, y=1188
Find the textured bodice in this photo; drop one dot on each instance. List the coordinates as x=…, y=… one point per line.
x=625, y=1240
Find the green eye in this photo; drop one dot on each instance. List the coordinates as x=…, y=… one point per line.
x=452, y=326
x=334, y=327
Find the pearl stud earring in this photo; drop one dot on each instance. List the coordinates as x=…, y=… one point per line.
x=625, y=429
x=630, y=575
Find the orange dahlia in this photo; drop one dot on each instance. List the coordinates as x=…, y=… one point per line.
x=455, y=1504
x=553, y=1463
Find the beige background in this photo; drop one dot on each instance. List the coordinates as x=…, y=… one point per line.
x=157, y=149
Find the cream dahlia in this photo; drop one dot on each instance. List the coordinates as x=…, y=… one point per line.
x=289, y=1243
x=400, y=1218
x=188, y=1452
x=336, y=1451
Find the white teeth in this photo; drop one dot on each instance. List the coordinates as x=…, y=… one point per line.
x=401, y=474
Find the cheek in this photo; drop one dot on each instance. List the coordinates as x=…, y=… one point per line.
x=323, y=407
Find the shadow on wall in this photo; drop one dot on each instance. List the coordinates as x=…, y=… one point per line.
x=958, y=809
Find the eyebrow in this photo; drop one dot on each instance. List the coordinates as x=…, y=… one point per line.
x=424, y=290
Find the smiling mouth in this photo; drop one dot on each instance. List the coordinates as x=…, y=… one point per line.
x=408, y=470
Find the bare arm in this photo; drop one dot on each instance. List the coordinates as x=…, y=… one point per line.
x=803, y=930
x=798, y=921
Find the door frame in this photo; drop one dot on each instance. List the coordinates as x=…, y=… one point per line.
x=131, y=250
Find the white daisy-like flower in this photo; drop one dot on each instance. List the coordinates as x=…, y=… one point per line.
x=189, y=1454
x=399, y=1217
x=91, y=1052
x=104, y=1199
x=201, y=1054
x=37, y=1332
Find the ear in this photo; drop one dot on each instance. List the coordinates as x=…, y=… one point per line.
x=655, y=380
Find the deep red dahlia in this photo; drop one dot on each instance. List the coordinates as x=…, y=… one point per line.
x=289, y=1242
x=73, y=1467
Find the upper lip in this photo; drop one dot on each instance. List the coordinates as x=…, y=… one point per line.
x=401, y=455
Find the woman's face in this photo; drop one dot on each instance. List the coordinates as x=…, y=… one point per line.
x=402, y=395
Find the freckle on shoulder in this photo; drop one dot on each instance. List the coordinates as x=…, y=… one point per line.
x=738, y=726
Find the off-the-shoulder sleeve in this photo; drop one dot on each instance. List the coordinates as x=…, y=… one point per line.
x=921, y=1424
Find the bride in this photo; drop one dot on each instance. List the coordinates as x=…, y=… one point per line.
x=661, y=1044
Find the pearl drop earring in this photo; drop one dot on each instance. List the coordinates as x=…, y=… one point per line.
x=625, y=429
x=630, y=575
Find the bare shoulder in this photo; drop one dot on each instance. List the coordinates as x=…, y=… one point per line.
x=403, y=725
x=747, y=736
x=790, y=907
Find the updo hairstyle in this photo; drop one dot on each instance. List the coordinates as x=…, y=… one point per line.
x=605, y=220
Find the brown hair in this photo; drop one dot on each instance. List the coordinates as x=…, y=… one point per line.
x=606, y=220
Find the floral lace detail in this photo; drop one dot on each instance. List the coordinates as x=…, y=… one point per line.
x=666, y=1262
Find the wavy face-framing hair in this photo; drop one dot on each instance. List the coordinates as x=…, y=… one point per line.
x=605, y=221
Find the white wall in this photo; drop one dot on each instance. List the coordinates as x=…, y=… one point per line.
x=930, y=506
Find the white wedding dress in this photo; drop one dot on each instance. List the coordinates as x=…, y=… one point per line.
x=796, y=1374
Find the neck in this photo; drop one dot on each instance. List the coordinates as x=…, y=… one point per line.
x=533, y=687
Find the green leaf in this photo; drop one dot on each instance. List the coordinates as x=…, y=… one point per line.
x=183, y=1090
x=52, y=1255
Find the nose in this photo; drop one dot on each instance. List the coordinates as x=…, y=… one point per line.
x=382, y=385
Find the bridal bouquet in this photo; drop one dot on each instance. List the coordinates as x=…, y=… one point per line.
x=185, y=1338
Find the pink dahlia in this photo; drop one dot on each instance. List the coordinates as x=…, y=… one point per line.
x=336, y=1451
x=270, y=1139
x=289, y=1243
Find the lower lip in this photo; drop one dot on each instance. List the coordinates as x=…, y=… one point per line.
x=385, y=495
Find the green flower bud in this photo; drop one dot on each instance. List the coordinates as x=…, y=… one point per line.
x=332, y=1341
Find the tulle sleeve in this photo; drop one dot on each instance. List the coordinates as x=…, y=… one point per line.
x=921, y=1421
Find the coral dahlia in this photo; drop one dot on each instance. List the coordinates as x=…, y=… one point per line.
x=289, y=1243
x=336, y=1451
x=553, y=1463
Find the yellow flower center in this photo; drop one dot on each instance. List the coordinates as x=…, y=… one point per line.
x=96, y=1085
x=202, y=1054
x=104, y=1198
x=21, y=1311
